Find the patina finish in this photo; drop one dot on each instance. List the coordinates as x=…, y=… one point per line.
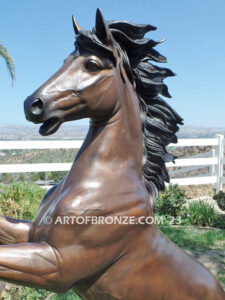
x=109, y=79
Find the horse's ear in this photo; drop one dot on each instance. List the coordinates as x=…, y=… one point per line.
x=76, y=26
x=102, y=29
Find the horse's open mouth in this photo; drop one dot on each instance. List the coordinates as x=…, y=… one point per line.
x=50, y=126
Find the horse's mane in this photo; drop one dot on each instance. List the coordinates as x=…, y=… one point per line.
x=158, y=118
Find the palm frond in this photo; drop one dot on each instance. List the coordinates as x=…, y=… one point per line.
x=8, y=60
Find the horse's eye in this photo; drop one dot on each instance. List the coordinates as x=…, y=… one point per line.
x=92, y=66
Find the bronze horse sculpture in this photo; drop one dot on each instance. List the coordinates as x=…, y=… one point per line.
x=117, y=172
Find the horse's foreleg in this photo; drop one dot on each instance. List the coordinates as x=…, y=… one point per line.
x=13, y=231
x=31, y=264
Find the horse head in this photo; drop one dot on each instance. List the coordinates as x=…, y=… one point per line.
x=86, y=86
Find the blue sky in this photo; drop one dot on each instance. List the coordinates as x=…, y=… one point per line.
x=39, y=35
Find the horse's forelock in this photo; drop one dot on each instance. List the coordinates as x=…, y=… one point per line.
x=89, y=41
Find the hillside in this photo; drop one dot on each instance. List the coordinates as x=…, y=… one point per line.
x=31, y=132
x=74, y=132
x=191, y=132
x=37, y=156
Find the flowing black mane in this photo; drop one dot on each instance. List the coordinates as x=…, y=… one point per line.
x=160, y=121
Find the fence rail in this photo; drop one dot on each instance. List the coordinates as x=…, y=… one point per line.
x=216, y=161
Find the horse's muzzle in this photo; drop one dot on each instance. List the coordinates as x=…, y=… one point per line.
x=34, y=109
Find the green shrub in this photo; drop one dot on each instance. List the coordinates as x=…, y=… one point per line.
x=171, y=202
x=220, y=199
x=201, y=213
x=165, y=220
x=219, y=221
x=15, y=292
x=20, y=200
x=56, y=176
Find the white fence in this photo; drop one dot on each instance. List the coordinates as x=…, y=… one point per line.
x=215, y=160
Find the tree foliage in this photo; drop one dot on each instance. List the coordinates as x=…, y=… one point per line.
x=8, y=60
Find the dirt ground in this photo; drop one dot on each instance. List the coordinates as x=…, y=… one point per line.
x=213, y=260
x=195, y=191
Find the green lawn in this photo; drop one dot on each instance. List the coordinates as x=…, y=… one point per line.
x=68, y=296
x=207, y=246
x=194, y=238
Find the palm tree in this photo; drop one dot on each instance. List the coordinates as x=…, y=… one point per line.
x=9, y=61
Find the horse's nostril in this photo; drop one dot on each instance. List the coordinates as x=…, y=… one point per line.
x=37, y=107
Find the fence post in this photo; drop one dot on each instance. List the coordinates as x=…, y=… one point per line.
x=212, y=171
x=219, y=168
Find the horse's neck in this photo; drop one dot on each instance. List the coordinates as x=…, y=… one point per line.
x=116, y=144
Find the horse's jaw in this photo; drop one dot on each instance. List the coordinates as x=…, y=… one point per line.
x=50, y=126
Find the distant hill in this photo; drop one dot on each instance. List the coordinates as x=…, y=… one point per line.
x=74, y=132
x=191, y=132
x=31, y=132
